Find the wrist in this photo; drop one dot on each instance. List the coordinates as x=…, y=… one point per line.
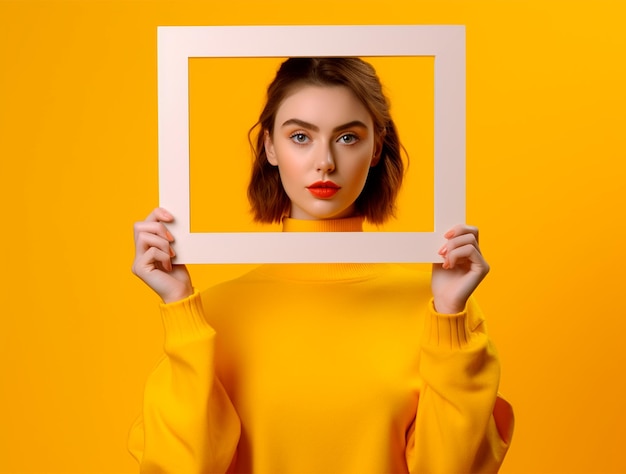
x=180, y=295
x=448, y=307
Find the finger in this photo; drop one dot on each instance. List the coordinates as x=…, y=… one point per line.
x=466, y=254
x=152, y=227
x=461, y=229
x=157, y=258
x=147, y=240
x=153, y=258
x=160, y=215
x=459, y=241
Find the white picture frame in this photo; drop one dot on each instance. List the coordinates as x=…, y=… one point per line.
x=176, y=44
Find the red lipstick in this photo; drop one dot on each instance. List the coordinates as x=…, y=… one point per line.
x=323, y=189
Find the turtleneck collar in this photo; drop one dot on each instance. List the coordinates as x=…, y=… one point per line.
x=350, y=224
x=323, y=272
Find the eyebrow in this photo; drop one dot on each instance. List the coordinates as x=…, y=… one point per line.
x=315, y=128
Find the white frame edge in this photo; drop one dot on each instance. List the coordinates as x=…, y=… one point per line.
x=176, y=44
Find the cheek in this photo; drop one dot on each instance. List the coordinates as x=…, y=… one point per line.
x=360, y=169
x=290, y=172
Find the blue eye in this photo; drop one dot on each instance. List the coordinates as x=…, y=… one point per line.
x=348, y=139
x=299, y=138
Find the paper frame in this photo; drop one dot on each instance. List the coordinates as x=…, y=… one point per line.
x=176, y=44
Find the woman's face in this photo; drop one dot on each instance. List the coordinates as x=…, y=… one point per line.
x=324, y=145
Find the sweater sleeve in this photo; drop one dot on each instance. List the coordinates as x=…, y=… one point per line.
x=462, y=424
x=188, y=424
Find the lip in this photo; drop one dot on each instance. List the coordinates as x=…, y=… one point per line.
x=323, y=189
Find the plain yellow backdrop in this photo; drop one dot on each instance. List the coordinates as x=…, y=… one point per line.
x=546, y=110
x=220, y=154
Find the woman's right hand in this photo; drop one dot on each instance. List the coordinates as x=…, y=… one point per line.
x=153, y=258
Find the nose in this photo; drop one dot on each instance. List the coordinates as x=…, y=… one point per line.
x=325, y=161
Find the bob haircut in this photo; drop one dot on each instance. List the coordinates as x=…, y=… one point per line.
x=376, y=203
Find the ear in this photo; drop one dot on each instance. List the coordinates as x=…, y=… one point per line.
x=378, y=149
x=270, y=153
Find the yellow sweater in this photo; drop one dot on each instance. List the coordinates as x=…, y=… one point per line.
x=326, y=368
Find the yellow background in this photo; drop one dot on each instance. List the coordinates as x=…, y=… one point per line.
x=546, y=170
x=220, y=156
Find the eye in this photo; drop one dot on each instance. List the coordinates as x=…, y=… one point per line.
x=348, y=138
x=299, y=138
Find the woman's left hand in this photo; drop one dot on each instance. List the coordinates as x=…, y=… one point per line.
x=463, y=268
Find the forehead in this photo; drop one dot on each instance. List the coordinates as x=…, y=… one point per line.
x=321, y=105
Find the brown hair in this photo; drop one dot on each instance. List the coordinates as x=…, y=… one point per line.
x=377, y=200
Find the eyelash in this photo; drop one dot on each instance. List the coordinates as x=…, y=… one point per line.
x=293, y=137
x=296, y=137
x=353, y=138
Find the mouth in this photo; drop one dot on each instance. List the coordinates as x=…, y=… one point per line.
x=323, y=189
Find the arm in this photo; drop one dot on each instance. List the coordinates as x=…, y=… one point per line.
x=462, y=426
x=188, y=423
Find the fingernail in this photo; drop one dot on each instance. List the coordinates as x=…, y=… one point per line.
x=169, y=236
x=449, y=234
x=172, y=253
x=443, y=250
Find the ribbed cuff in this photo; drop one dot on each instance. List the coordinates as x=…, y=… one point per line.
x=184, y=320
x=446, y=331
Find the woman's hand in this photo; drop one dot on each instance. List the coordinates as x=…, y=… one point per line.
x=463, y=268
x=153, y=258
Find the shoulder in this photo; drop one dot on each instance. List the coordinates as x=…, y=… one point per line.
x=226, y=289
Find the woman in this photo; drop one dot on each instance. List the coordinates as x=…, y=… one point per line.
x=328, y=367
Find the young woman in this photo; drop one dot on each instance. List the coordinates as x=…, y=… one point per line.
x=364, y=368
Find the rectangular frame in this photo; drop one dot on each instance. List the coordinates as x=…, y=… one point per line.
x=176, y=44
